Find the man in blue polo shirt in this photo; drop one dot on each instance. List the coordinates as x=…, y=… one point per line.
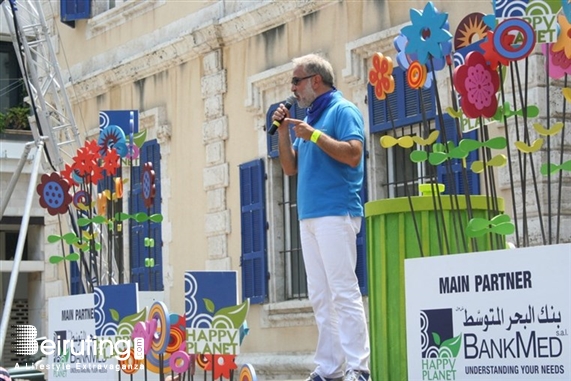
x=327, y=156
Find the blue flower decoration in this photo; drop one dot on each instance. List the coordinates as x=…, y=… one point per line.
x=427, y=34
x=113, y=136
x=400, y=42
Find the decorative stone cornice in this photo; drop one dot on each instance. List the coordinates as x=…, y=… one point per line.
x=180, y=42
x=270, y=79
x=358, y=52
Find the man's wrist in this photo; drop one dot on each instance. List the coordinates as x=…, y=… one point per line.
x=315, y=136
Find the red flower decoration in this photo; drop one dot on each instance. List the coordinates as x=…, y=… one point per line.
x=222, y=366
x=490, y=52
x=86, y=163
x=380, y=76
x=54, y=193
x=477, y=85
x=68, y=174
x=148, y=184
x=111, y=161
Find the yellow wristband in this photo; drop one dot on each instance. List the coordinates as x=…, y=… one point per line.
x=315, y=135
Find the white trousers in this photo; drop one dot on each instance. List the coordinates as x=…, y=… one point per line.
x=330, y=255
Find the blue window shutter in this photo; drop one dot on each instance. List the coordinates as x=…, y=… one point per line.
x=272, y=139
x=443, y=171
x=361, y=269
x=404, y=105
x=76, y=285
x=148, y=278
x=72, y=10
x=253, y=223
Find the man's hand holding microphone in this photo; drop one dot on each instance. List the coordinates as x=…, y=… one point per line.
x=280, y=114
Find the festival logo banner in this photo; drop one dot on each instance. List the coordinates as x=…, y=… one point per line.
x=537, y=19
x=111, y=304
x=214, y=318
x=500, y=315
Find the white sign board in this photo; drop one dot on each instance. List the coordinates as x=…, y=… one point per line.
x=71, y=318
x=497, y=315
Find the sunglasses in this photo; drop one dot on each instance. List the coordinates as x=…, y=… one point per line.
x=295, y=81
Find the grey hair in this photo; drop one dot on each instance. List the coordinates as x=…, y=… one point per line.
x=316, y=64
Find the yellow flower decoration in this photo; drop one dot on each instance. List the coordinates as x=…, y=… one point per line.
x=564, y=39
x=381, y=77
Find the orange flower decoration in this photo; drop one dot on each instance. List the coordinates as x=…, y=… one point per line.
x=416, y=75
x=119, y=187
x=381, y=77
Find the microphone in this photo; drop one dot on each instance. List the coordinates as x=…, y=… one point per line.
x=290, y=101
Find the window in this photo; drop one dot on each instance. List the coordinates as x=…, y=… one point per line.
x=295, y=285
x=11, y=83
x=288, y=259
x=9, y=243
x=410, y=112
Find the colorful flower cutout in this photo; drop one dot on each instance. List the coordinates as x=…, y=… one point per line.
x=490, y=52
x=427, y=34
x=113, y=136
x=54, y=193
x=223, y=364
x=416, y=75
x=557, y=63
x=472, y=26
x=563, y=42
x=85, y=167
x=380, y=76
x=477, y=85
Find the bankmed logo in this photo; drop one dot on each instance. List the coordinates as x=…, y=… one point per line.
x=123, y=349
x=439, y=346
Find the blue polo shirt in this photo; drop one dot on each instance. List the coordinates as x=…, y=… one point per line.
x=327, y=187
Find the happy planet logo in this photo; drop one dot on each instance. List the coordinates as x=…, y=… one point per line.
x=541, y=15
x=439, y=346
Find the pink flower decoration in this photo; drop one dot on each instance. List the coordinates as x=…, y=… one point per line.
x=559, y=64
x=477, y=85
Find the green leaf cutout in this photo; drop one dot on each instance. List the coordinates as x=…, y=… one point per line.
x=133, y=319
x=453, y=344
x=99, y=219
x=436, y=338
x=139, y=138
x=122, y=216
x=236, y=314
x=437, y=158
x=458, y=153
x=55, y=259
x=72, y=257
x=70, y=238
x=209, y=305
x=505, y=228
x=496, y=143
x=156, y=218
x=469, y=145
x=54, y=238
x=114, y=314
x=141, y=217
x=418, y=156
x=83, y=221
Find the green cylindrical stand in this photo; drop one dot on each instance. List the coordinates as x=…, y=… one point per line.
x=392, y=227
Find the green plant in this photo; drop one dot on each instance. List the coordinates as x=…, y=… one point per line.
x=15, y=118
